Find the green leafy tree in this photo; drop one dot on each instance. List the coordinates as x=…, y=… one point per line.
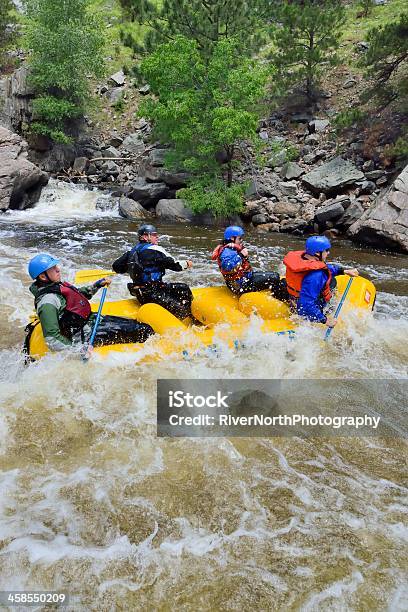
x=205, y=21
x=306, y=38
x=7, y=28
x=386, y=62
x=65, y=43
x=204, y=108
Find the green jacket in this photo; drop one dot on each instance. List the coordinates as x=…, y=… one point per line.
x=50, y=308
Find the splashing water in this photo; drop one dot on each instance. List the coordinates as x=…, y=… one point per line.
x=92, y=503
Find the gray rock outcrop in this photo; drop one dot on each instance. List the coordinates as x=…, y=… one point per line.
x=148, y=194
x=174, y=210
x=130, y=209
x=333, y=176
x=385, y=224
x=21, y=181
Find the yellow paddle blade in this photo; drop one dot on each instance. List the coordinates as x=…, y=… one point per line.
x=86, y=277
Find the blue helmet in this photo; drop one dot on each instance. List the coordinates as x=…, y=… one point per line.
x=317, y=244
x=233, y=231
x=41, y=263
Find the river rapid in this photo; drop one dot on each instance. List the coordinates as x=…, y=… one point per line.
x=93, y=504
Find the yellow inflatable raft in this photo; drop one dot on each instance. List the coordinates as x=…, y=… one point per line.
x=218, y=315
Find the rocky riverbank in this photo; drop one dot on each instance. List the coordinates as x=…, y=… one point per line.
x=347, y=194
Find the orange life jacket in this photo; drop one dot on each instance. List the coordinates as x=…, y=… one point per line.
x=240, y=269
x=296, y=269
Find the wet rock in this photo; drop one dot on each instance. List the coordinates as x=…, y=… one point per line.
x=21, y=181
x=286, y=208
x=144, y=90
x=130, y=209
x=106, y=202
x=80, y=164
x=318, y=125
x=332, y=176
x=134, y=143
x=148, y=194
x=174, y=210
x=385, y=224
x=329, y=212
x=291, y=170
x=118, y=79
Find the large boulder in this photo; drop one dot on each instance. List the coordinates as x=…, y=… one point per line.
x=130, y=209
x=352, y=214
x=385, y=224
x=289, y=209
x=329, y=212
x=174, y=210
x=148, y=194
x=21, y=181
x=333, y=176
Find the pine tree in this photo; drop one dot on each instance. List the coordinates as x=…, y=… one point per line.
x=205, y=21
x=204, y=108
x=306, y=38
x=386, y=61
x=7, y=28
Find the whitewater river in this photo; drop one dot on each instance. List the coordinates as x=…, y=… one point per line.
x=93, y=504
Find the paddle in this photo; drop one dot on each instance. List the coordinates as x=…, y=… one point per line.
x=86, y=356
x=85, y=277
x=339, y=307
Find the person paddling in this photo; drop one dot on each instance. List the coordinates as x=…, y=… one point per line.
x=232, y=258
x=310, y=280
x=65, y=312
x=146, y=263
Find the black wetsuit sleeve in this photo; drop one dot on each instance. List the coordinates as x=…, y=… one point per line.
x=120, y=265
x=169, y=263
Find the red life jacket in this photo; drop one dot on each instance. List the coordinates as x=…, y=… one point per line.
x=240, y=269
x=296, y=269
x=77, y=310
